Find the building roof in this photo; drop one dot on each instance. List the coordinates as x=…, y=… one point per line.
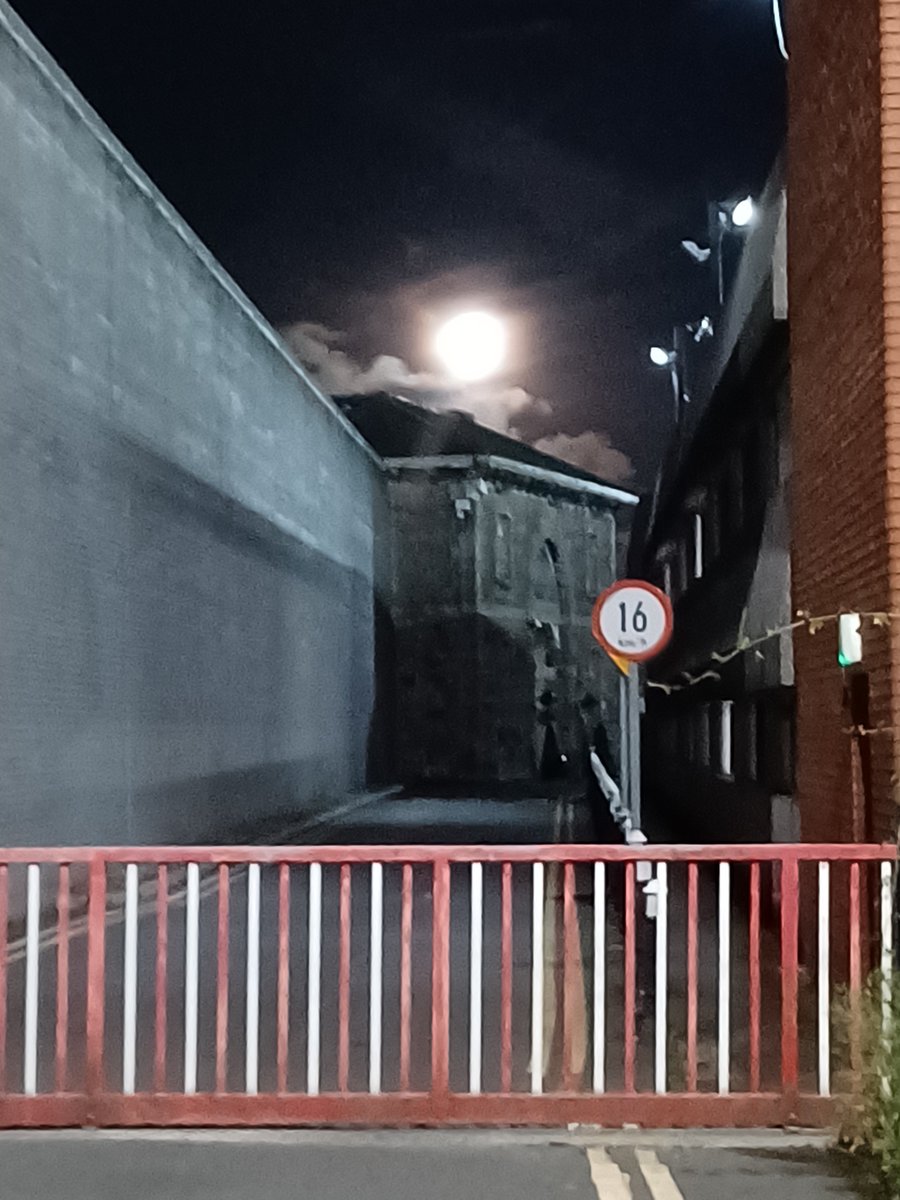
x=400, y=429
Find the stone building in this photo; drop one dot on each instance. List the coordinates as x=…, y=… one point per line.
x=497, y=554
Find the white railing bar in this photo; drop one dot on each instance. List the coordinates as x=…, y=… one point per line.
x=824, y=979
x=129, y=989
x=599, y=976
x=191, y=976
x=724, y=1048
x=32, y=978
x=314, y=988
x=251, y=1062
x=376, y=972
x=662, y=972
x=475, y=976
x=887, y=944
x=537, y=979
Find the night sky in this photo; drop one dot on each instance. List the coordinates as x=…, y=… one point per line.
x=367, y=167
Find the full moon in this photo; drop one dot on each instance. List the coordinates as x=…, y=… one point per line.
x=472, y=345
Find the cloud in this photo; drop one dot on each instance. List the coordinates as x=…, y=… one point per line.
x=592, y=452
x=499, y=406
x=337, y=372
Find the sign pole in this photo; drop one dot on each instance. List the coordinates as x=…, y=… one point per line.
x=624, y=742
x=634, y=745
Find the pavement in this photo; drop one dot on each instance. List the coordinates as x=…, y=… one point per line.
x=471, y=1165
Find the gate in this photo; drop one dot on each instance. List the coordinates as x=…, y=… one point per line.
x=432, y=986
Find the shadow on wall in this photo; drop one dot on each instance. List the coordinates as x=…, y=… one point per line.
x=467, y=713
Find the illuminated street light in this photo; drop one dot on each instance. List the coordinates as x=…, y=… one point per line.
x=743, y=213
x=673, y=359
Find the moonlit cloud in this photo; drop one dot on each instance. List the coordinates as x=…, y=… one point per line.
x=592, y=452
x=499, y=406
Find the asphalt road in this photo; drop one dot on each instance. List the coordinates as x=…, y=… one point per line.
x=414, y=1166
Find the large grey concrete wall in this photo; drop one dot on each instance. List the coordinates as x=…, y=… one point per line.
x=188, y=530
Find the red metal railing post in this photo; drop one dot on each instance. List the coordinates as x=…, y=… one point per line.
x=96, y=976
x=755, y=979
x=506, y=964
x=406, y=918
x=855, y=970
x=160, y=989
x=440, y=987
x=62, y=977
x=790, y=933
x=692, y=978
x=344, y=980
x=284, y=974
x=571, y=981
x=222, y=952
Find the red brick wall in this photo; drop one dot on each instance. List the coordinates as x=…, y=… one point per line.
x=846, y=436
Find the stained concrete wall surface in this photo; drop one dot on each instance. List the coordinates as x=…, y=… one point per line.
x=493, y=587
x=189, y=530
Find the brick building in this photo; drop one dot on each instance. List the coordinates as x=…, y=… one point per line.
x=844, y=266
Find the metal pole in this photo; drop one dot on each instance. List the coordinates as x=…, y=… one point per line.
x=634, y=744
x=624, y=756
x=679, y=362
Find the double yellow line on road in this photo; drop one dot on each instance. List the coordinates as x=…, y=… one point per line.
x=612, y=1183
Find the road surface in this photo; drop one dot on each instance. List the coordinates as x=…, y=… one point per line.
x=415, y=1166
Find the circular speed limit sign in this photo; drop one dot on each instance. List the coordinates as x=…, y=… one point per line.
x=632, y=620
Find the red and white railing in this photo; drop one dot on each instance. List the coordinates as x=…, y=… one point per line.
x=421, y=985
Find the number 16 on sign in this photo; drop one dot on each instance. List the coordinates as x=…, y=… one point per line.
x=632, y=620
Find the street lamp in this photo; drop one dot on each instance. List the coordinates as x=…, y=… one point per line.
x=675, y=357
x=743, y=213
x=724, y=217
x=662, y=357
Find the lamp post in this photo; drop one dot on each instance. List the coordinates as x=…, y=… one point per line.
x=676, y=359
x=673, y=359
x=725, y=218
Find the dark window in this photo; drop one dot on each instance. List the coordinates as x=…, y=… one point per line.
x=775, y=744
x=503, y=550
